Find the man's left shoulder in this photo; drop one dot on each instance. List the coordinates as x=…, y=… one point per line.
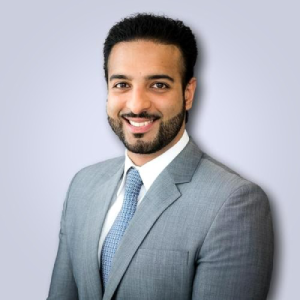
x=215, y=176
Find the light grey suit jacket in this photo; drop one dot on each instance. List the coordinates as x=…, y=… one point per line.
x=201, y=232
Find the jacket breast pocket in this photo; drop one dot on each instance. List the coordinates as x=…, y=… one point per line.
x=162, y=257
x=157, y=274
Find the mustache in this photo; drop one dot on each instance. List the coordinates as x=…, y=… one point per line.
x=143, y=114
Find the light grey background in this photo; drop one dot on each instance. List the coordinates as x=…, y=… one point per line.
x=53, y=120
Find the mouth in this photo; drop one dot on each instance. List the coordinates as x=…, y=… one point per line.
x=139, y=125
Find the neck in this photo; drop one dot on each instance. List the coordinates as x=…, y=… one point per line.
x=141, y=159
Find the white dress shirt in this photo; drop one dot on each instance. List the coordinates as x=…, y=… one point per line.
x=148, y=172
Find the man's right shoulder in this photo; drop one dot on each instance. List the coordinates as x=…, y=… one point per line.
x=100, y=171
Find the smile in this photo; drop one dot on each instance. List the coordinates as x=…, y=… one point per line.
x=137, y=124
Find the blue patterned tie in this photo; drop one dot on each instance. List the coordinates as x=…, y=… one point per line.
x=111, y=242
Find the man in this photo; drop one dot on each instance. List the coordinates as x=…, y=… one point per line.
x=166, y=221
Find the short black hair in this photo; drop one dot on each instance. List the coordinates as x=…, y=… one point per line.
x=160, y=29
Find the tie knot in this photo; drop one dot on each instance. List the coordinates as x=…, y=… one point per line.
x=133, y=181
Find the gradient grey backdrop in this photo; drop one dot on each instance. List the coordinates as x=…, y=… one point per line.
x=53, y=120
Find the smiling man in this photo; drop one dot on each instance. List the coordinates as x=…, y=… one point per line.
x=146, y=101
x=166, y=221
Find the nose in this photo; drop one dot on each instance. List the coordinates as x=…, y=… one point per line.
x=138, y=100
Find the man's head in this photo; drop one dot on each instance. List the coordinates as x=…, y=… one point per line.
x=159, y=29
x=148, y=66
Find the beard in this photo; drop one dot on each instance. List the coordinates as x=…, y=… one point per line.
x=167, y=131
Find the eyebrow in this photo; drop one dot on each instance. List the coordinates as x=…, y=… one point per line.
x=117, y=76
x=150, y=77
x=160, y=76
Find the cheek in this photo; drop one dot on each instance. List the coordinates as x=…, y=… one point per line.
x=171, y=105
x=113, y=106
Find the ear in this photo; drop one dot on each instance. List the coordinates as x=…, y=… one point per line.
x=190, y=92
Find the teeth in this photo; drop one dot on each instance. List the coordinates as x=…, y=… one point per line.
x=140, y=124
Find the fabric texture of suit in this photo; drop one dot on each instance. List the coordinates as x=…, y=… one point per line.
x=202, y=232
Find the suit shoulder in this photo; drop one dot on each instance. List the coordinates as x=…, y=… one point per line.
x=103, y=170
x=221, y=176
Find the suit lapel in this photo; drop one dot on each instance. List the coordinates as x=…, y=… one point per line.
x=160, y=196
x=99, y=204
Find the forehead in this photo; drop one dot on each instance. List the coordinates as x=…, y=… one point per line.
x=143, y=57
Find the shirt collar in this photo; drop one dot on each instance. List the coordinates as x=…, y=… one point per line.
x=150, y=171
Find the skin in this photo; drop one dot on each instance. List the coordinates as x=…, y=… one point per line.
x=146, y=77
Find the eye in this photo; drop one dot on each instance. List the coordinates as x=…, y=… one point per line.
x=160, y=85
x=121, y=85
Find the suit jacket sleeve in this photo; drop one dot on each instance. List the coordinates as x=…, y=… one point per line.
x=235, y=260
x=63, y=286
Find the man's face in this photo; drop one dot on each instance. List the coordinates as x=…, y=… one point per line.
x=145, y=105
